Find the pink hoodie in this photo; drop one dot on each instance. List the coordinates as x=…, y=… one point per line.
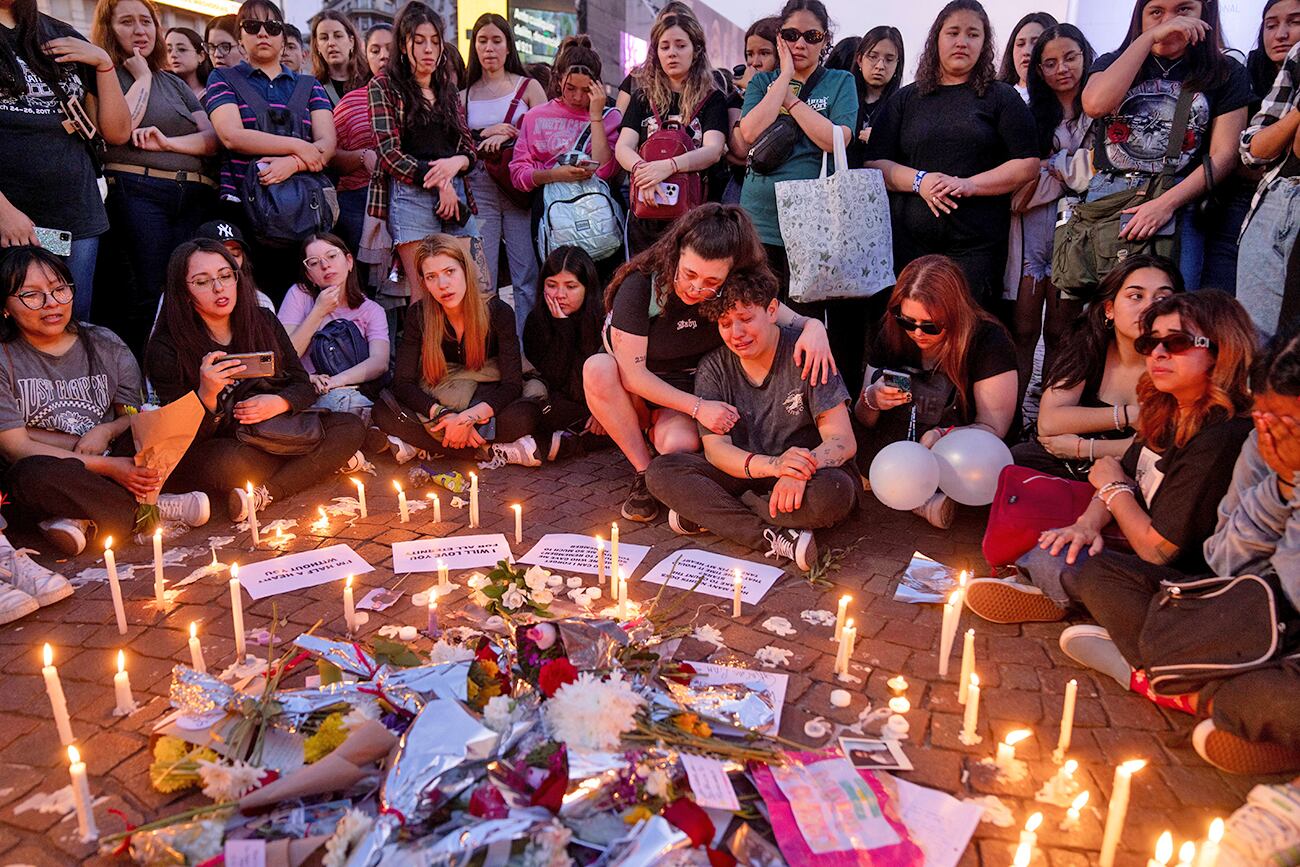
x=551, y=130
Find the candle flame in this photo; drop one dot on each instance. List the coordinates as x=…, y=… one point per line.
x=397, y=485
x=848, y=623
x=1165, y=848
x=1186, y=852
x=954, y=598
x=900, y=705
x=48, y=655
x=349, y=584
x=439, y=562
x=431, y=496
x=157, y=535
x=846, y=599
x=1016, y=737
x=1079, y=802
x=1132, y=766
x=108, y=543
x=974, y=680
x=74, y=757
x=433, y=601
x=248, y=486
x=194, y=629
x=516, y=507
x=898, y=684
x=356, y=482
x=1216, y=830
x=962, y=578
x=234, y=571
x=121, y=661
x=1023, y=856
x=1070, y=767
x=1034, y=821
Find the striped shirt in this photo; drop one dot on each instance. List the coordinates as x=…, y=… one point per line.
x=277, y=93
x=355, y=133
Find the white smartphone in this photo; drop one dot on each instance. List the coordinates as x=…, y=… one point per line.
x=667, y=194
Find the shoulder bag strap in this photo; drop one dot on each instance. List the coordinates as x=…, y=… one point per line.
x=514, y=103
x=1177, y=130
x=247, y=94
x=301, y=98
x=585, y=136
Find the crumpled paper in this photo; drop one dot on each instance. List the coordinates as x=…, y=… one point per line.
x=653, y=841
x=744, y=705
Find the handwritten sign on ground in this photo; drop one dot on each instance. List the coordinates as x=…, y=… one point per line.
x=709, y=782
x=774, y=682
x=715, y=573
x=572, y=552
x=304, y=569
x=457, y=552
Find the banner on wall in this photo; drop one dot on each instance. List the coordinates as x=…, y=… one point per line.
x=538, y=32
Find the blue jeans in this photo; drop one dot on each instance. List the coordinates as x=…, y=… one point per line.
x=81, y=263
x=498, y=220
x=352, y=214
x=151, y=217
x=1191, y=240
x=346, y=399
x=1051, y=574
x=1265, y=245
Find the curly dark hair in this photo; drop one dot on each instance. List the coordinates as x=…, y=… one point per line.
x=927, y=69
x=400, y=75
x=756, y=287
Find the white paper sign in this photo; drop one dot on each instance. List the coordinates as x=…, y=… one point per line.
x=718, y=571
x=709, y=674
x=304, y=569
x=245, y=853
x=937, y=822
x=457, y=552
x=573, y=552
x=709, y=782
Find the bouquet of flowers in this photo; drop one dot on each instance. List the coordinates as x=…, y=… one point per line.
x=508, y=592
x=161, y=438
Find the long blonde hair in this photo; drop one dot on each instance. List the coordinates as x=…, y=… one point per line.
x=699, y=79
x=433, y=364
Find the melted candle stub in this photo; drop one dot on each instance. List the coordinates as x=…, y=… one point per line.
x=840, y=698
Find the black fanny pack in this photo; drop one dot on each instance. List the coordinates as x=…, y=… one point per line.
x=776, y=143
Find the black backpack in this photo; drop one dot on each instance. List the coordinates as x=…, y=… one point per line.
x=338, y=346
x=282, y=215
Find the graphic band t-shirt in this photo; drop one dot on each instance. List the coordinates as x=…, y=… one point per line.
x=66, y=393
x=1137, y=133
x=711, y=115
x=1182, y=487
x=38, y=156
x=677, y=338
x=778, y=413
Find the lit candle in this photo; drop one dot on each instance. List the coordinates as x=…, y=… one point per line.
x=81, y=797
x=1164, y=851
x=473, y=499
x=361, y=496
x=1067, y=721
x=852, y=640
x=1029, y=836
x=402, y=509
x=615, y=564
x=237, y=613
x=970, y=720
x=280, y=541
x=322, y=524
x=432, y=627
x=252, y=514
x=196, y=650
x=1071, y=820
x=1186, y=854
x=600, y=561
x=519, y=522
x=622, y=596
x=349, y=609
x=1209, y=854
x=737, y=583
x=159, y=583
x=437, y=507
x=122, y=686
x=897, y=684
x=114, y=586
x=841, y=613
x=1024, y=854
x=1007, y=749
x=951, y=617
x=444, y=580
x=967, y=664
x=1117, y=810
x=58, y=703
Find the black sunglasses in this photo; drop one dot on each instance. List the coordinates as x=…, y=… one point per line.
x=926, y=327
x=812, y=37
x=1175, y=343
x=253, y=26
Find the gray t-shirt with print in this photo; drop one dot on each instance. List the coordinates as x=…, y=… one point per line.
x=62, y=392
x=778, y=413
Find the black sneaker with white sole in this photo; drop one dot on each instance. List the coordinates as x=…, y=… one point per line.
x=565, y=444
x=798, y=546
x=640, y=505
x=682, y=525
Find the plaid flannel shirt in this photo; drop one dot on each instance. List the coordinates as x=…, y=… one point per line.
x=386, y=115
x=1280, y=100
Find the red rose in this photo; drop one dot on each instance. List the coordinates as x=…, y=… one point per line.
x=1189, y=140
x=488, y=803
x=1118, y=132
x=682, y=673
x=554, y=674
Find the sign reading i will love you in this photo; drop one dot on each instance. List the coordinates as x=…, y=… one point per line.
x=304, y=569
x=455, y=552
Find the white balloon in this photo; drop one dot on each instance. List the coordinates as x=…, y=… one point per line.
x=904, y=475
x=970, y=461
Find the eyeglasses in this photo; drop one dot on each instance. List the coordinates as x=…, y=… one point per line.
x=925, y=326
x=330, y=258
x=35, y=299
x=1070, y=59
x=220, y=49
x=812, y=37
x=225, y=277
x=254, y=26
x=1175, y=343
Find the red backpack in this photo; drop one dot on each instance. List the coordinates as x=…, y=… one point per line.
x=670, y=140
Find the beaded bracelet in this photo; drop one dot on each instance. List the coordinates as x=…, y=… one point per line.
x=695, y=411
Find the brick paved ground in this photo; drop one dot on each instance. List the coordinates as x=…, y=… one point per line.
x=1021, y=668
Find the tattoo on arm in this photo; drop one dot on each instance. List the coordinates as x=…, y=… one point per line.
x=831, y=453
x=640, y=359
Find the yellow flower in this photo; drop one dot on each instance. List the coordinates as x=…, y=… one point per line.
x=175, y=766
x=329, y=737
x=639, y=813
x=170, y=749
x=692, y=725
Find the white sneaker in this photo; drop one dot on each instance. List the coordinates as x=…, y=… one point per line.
x=522, y=452
x=939, y=510
x=192, y=509
x=15, y=604
x=238, y=502
x=44, y=585
x=356, y=464
x=404, y=451
x=1092, y=647
x=1265, y=829
x=790, y=544
x=67, y=535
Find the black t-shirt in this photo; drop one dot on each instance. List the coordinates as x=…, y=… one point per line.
x=934, y=397
x=431, y=136
x=1181, y=488
x=1137, y=133
x=955, y=131
x=712, y=115
x=45, y=171
x=678, y=336
x=867, y=114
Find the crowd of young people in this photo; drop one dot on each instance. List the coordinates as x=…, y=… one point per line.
x=375, y=192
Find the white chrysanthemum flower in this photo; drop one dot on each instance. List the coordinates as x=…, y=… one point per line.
x=656, y=783
x=348, y=832
x=591, y=713
x=228, y=781
x=513, y=599
x=361, y=712
x=548, y=847
x=498, y=715
x=442, y=652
